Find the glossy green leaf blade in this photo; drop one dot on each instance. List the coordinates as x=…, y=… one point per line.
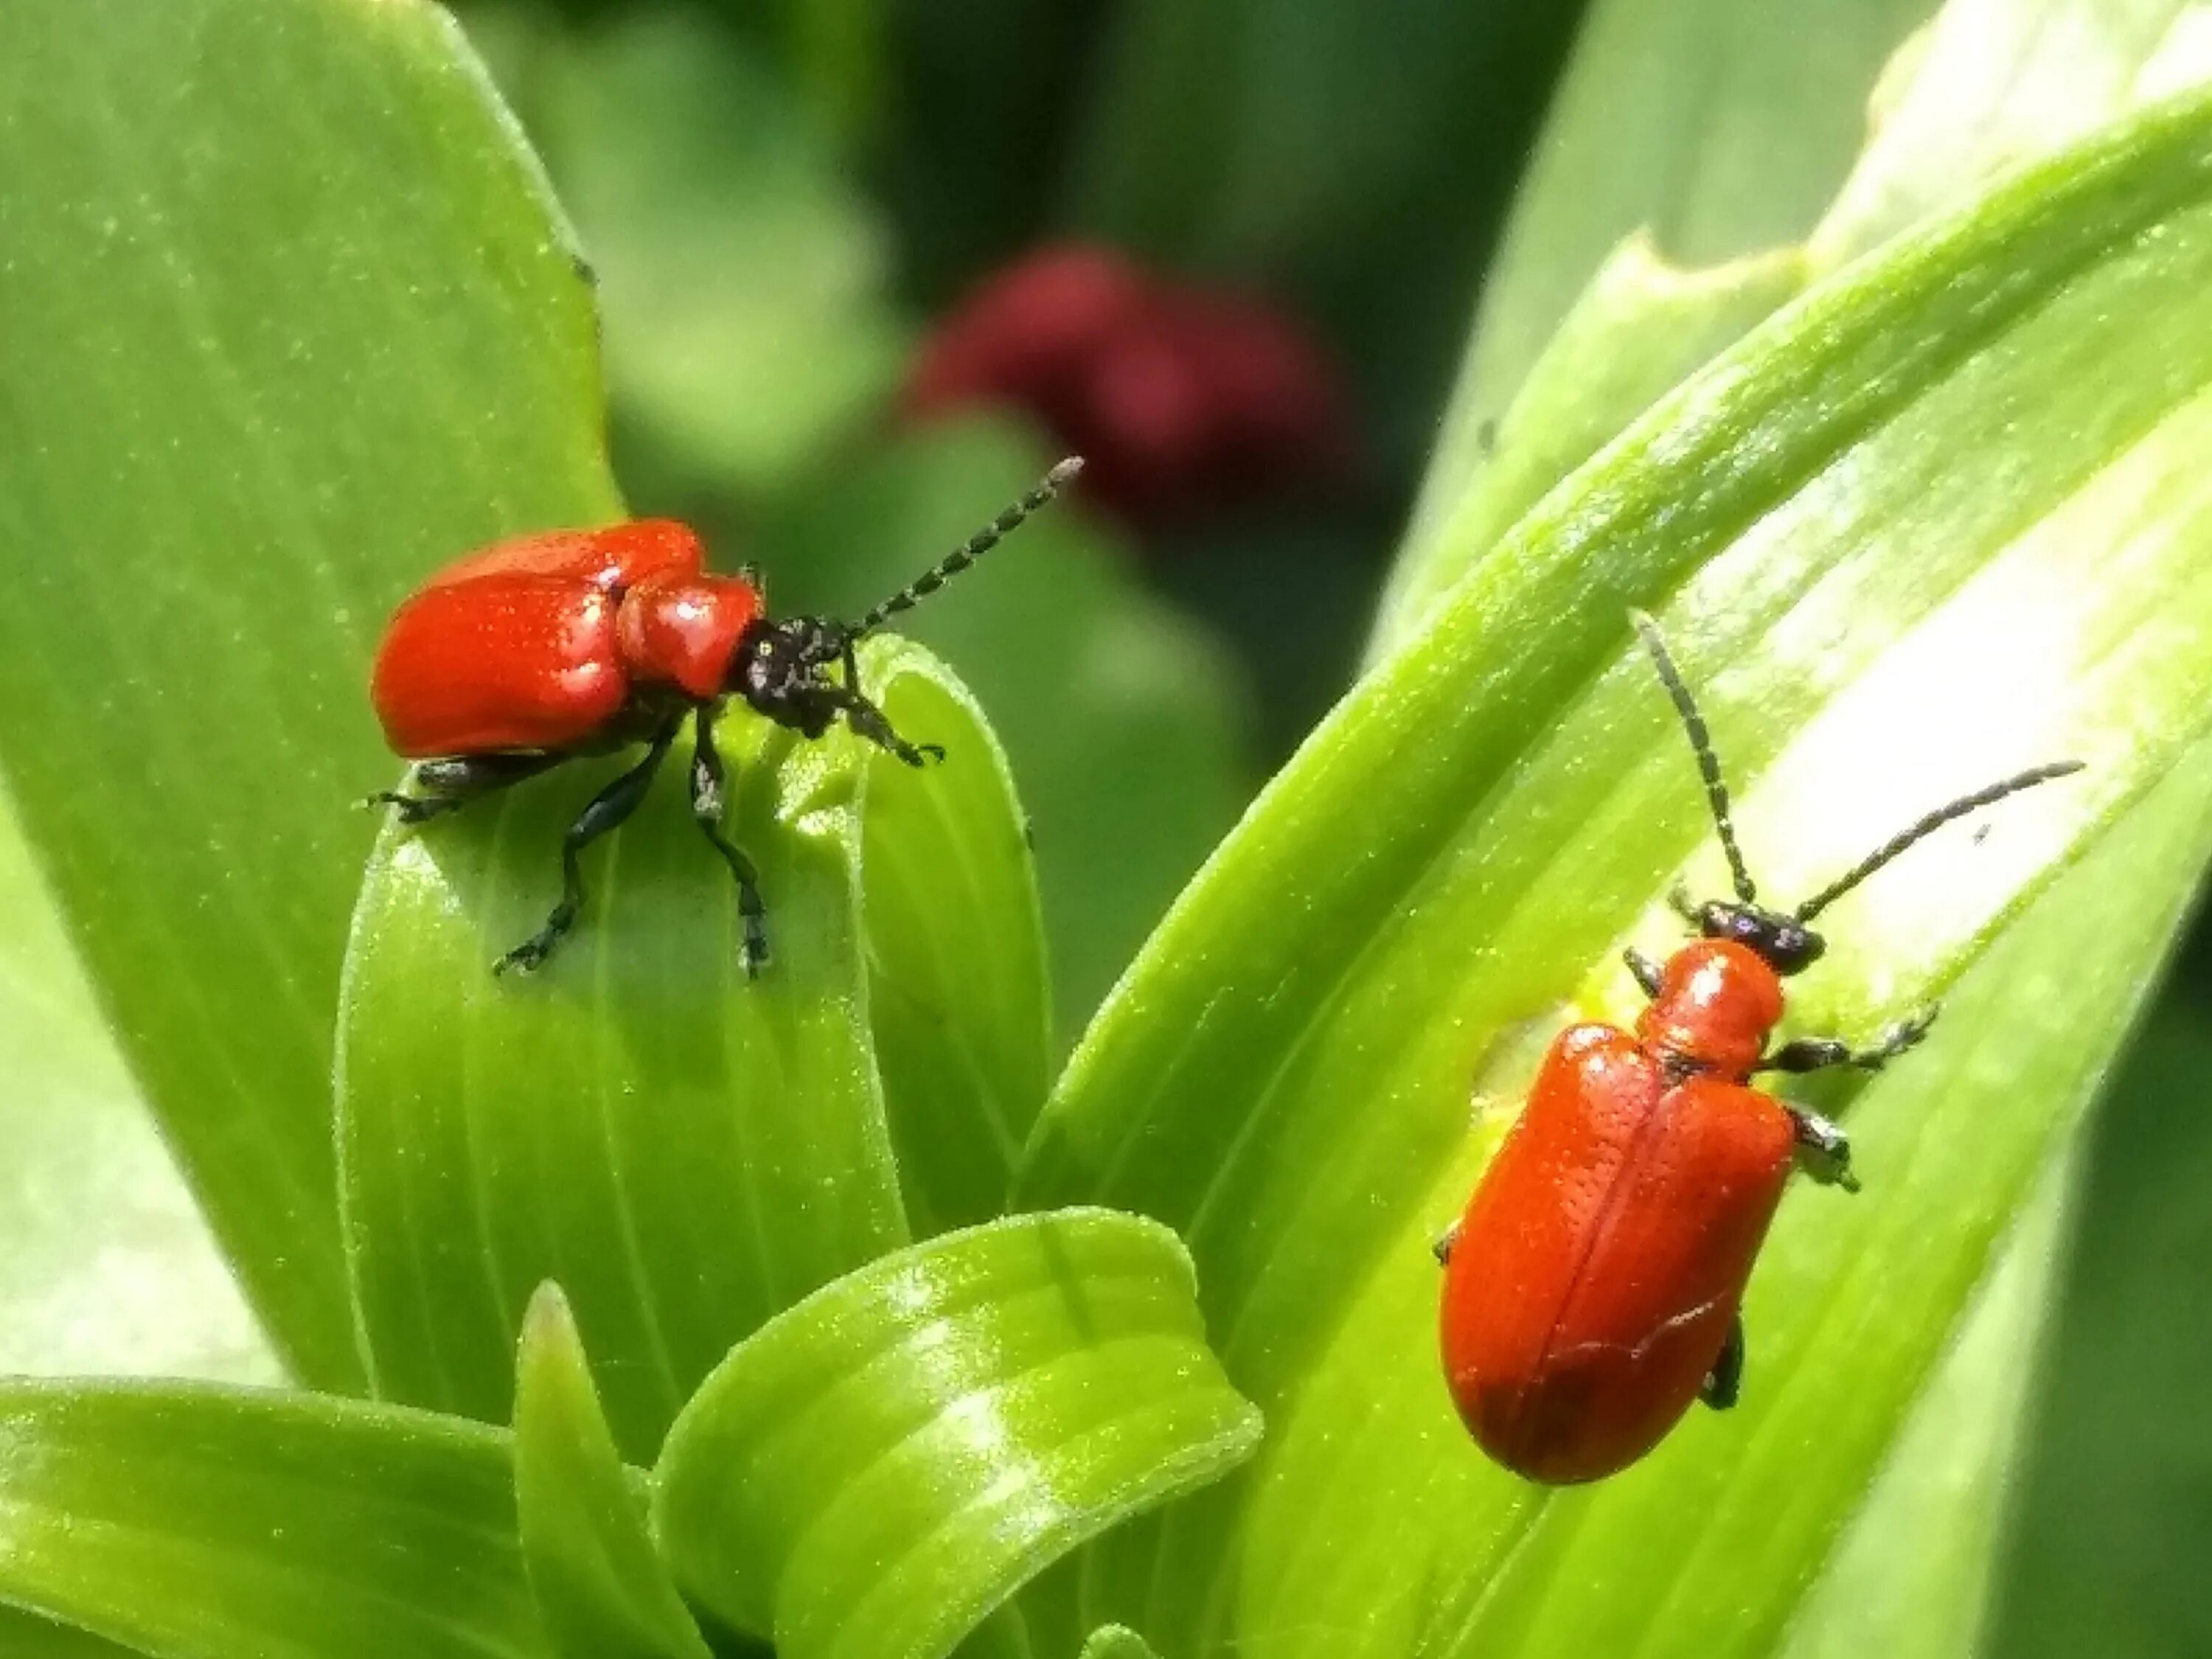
x=1939, y=520
x=602, y=1590
x=293, y=320
x=879, y=1467
x=685, y=1150
x=202, y=1524
x=1855, y=1304
x=1632, y=152
x=105, y=1266
x=1116, y=1642
x=959, y=1004
x=1910, y=1578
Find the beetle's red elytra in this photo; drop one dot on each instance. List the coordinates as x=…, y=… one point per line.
x=531, y=653
x=1592, y=1286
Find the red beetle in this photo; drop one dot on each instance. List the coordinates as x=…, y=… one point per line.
x=1591, y=1288
x=535, y=651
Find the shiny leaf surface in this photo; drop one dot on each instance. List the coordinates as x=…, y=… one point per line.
x=204, y=1523
x=879, y=1467
x=602, y=1591
x=1938, y=520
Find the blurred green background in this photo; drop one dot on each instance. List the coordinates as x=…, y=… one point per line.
x=783, y=198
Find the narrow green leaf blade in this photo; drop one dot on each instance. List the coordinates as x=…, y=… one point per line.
x=106, y=1266
x=872, y=1473
x=602, y=1590
x=293, y=319
x=1940, y=520
x=204, y=1523
x=959, y=1003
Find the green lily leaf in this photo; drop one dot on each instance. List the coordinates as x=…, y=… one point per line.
x=1944, y=124
x=105, y=1266
x=602, y=1591
x=1940, y=519
x=193, y=1522
x=225, y=454
x=877, y=1470
x=685, y=1150
x=959, y=1001
x=1910, y=1579
x=1116, y=1642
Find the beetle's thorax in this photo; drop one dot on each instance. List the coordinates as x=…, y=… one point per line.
x=1717, y=1002
x=683, y=630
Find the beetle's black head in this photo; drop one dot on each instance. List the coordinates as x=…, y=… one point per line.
x=781, y=668
x=1783, y=943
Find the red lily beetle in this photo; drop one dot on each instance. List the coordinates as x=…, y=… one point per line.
x=533, y=652
x=1591, y=1288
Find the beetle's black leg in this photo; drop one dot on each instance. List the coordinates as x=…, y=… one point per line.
x=1818, y=1053
x=1645, y=972
x=867, y=721
x=1441, y=1249
x=1679, y=901
x=1723, y=1384
x=1824, y=1151
x=606, y=812
x=707, y=800
x=455, y=781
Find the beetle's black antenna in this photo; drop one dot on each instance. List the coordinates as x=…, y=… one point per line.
x=1709, y=765
x=969, y=551
x=1927, y=826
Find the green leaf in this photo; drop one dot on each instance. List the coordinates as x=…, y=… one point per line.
x=1120, y=718
x=104, y=1264
x=876, y=1470
x=1911, y=1577
x=297, y=321
x=203, y=1523
x=685, y=1150
x=1633, y=152
x=602, y=1590
x=1115, y=1641
x=958, y=1002
x=1940, y=519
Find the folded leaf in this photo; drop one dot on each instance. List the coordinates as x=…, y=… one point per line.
x=873, y=1472
x=602, y=1591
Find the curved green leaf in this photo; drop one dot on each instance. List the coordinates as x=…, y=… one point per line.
x=1115, y=1641
x=1631, y=153
x=877, y=1470
x=685, y=1150
x=602, y=1591
x=105, y=1266
x=295, y=321
x=1940, y=519
x=959, y=1001
x=203, y=1523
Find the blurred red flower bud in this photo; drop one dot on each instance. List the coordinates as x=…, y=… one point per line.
x=1180, y=398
